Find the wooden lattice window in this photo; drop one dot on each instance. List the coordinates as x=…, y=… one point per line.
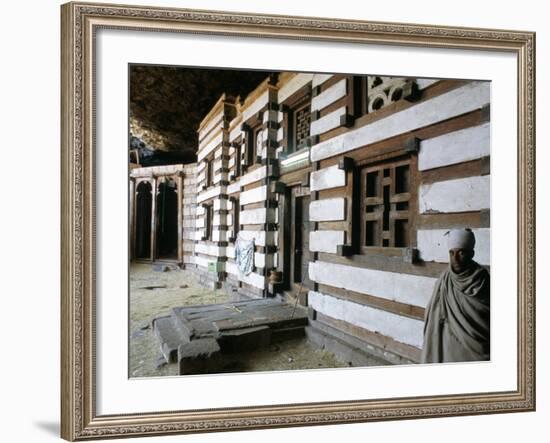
x=297, y=119
x=301, y=123
x=386, y=198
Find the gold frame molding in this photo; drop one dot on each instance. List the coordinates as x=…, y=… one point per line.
x=79, y=420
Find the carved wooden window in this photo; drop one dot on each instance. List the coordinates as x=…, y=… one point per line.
x=373, y=93
x=301, y=124
x=386, y=197
x=297, y=119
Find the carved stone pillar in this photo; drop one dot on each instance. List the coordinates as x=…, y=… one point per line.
x=154, y=190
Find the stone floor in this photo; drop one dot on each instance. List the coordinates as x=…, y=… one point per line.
x=154, y=294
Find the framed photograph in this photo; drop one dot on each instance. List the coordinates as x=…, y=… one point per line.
x=277, y=221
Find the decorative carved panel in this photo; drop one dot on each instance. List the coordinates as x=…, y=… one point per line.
x=383, y=91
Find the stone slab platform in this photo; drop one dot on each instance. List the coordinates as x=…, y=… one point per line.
x=197, y=336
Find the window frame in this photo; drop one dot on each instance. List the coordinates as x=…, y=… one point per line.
x=392, y=162
x=251, y=128
x=210, y=173
x=384, y=210
x=293, y=145
x=237, y=155
x=255, y=132
x=290, y=107
x=208, y=221
x=235, y=212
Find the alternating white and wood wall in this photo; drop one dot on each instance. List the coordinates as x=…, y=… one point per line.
x=213, y=207
x=252, y=217
x=377, y=298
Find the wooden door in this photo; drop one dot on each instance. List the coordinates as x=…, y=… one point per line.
x=300, y=254
x=301, y=240
x=294, y=241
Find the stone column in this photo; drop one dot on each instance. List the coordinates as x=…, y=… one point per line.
x=154, y=187
x=132, y=217
x=179, y=181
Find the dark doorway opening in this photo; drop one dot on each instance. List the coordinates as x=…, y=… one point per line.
x=144, y=200
x=167, y=221
x=294, y=240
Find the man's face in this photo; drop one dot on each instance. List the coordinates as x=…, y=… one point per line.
x=460, y=259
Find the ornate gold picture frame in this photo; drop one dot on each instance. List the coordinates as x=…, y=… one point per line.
x=79, y=396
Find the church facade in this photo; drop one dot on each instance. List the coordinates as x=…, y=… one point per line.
x=337, y=189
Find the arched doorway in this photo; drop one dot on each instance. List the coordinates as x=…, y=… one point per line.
x=167, y=220
x=144, y=201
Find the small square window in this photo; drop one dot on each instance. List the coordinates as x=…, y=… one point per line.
x=385, y=205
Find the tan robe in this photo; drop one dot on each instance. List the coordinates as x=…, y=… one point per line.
x=457, y=320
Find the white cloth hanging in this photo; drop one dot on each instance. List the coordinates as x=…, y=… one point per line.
x=244, y=255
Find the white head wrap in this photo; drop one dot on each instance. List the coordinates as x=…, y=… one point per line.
x=461, y=239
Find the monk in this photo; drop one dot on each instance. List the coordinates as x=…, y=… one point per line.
x=457, y=319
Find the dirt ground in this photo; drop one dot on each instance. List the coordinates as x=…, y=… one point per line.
x=154, y=294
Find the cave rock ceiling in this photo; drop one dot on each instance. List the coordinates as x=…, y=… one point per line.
x=168, y=103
